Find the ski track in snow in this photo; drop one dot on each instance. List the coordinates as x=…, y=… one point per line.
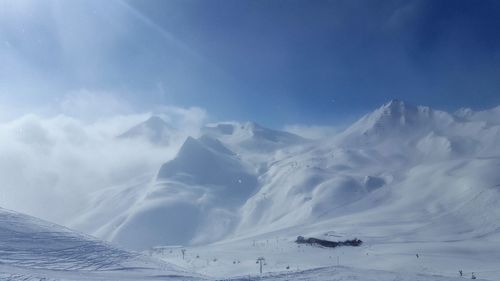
x=32, y=249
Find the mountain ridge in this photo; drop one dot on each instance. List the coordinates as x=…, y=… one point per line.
x=284, y=181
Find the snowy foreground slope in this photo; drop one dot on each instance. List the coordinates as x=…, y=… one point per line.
x=346, y=273
x=32, y=249
x=405, y=179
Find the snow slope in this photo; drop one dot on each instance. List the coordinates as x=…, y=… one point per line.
x=32, y=249
x=192, y=199
x=206, y=161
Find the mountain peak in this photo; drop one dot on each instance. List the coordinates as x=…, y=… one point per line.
x=392, y=113
x=399, y=119
x=396, y=107
x=154, y=129
x=394, y=103
x=155, y=120
x=399, y=107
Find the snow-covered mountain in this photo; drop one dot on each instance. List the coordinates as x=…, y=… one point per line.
x=33, y=249
x=251, y=136
x=400, y=174
x=193, y=197
x=397, y=119
x=154, y=129
x=388, y=153
x=206, y=161
x=207, y=182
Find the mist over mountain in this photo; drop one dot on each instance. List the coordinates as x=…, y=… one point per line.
x=155, y=130
x=249, y=140
x=241, y=179
x=399, y=174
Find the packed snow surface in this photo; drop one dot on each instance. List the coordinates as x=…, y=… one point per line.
x=32, y=249
x=346, y=273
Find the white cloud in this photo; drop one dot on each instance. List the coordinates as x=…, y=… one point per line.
x=50, y=165
x=190, y=119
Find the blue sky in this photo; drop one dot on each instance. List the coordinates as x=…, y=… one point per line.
x=275, y=62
